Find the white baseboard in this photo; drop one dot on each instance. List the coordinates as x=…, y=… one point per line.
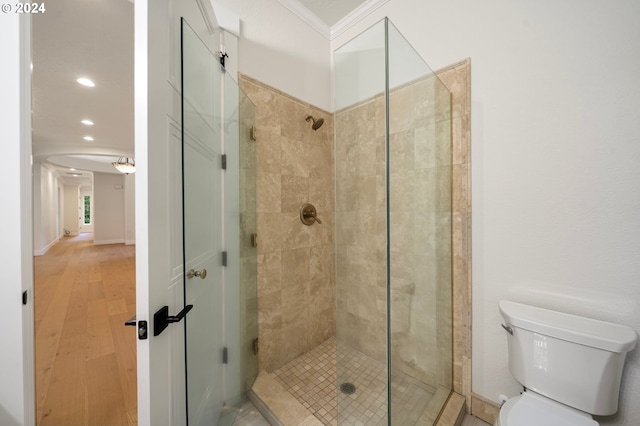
x=130, y=242
x=103, y=242
x=41, y=252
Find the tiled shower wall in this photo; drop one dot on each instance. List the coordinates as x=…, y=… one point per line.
x=296, y=285
x=420, y=230
x=421, y=311
x=278, y=123
x=361, y=228
x=457, y=78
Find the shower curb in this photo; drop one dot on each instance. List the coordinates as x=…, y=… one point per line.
x=263, y=409
x=277, y=405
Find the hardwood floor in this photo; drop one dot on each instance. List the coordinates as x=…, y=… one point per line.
x=85, y=356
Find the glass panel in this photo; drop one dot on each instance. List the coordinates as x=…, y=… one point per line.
x=419, y=173
x=361, y=278
x=393, y=232
x=248, y=250
x=202, y=201
x=241, y=316
x=219, y=209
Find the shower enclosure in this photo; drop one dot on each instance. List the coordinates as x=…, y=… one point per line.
x=393, y=233
x=392, y=350
x=218, y=209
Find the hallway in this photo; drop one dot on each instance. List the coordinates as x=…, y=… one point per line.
x=85, y=356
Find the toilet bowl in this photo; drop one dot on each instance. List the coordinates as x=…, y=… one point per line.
x=531, y=409
x=570, y=366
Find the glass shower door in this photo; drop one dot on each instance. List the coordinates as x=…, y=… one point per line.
x=220, y=278
x=202, y=229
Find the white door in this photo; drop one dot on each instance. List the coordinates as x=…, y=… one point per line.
x=159, y=250
x=203, y=218
x=17, y=384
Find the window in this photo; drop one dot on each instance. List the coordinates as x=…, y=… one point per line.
x=87, y=209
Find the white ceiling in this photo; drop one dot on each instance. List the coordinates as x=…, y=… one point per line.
x=331, y=11
x=94, y=39
x=73, y=39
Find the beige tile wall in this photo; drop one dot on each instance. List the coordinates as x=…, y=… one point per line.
x=422, y=303
x=420, y=229
x=296, y=286
x=359, y=230
x=457, y=78
x=420, y=206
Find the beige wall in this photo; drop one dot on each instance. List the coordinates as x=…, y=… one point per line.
x=420, y=229
x=361, y=228
x=457, y=79
x=296, y=288
x=297, y=261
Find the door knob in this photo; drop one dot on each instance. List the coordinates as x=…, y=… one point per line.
x=201, y=273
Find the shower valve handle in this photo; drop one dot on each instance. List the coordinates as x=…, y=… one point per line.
x=312, y=215
x=308, y=215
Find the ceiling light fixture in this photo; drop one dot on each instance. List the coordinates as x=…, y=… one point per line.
x=125, y=165
x=87, y=122
x=88, y=138
x=86, y=82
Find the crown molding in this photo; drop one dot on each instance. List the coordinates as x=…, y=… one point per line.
x=307, y=17
x=357, y=15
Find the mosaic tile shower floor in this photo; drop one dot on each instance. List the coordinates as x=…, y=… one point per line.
x=311, y=379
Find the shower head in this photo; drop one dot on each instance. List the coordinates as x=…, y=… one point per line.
x=316, y=123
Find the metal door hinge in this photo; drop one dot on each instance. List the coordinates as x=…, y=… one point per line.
x=223, y=159
x=254, y=240
x=224, y=258
x=256, y=346
x=225, y=355
x=253, y=133
x=25, y=297
x=223, y=56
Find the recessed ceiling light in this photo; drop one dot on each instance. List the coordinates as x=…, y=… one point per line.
x=88, y=138
x=86, y=82
x=72, y=169
x=87, y=122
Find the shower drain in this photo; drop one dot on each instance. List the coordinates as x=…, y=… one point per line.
x=348, y=388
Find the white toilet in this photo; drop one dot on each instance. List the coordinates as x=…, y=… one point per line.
x=570, y=366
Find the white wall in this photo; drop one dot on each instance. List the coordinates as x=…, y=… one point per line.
x=108, y=203
x=279, y=49
x=46, y=209
x=555, y=153
x=129, y=209
x=70, y=216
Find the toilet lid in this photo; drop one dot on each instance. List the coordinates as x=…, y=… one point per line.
x=531, y=409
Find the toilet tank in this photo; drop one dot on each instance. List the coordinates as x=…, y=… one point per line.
x=573, y=360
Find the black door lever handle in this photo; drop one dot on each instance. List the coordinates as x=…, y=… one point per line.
x=162, y=319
